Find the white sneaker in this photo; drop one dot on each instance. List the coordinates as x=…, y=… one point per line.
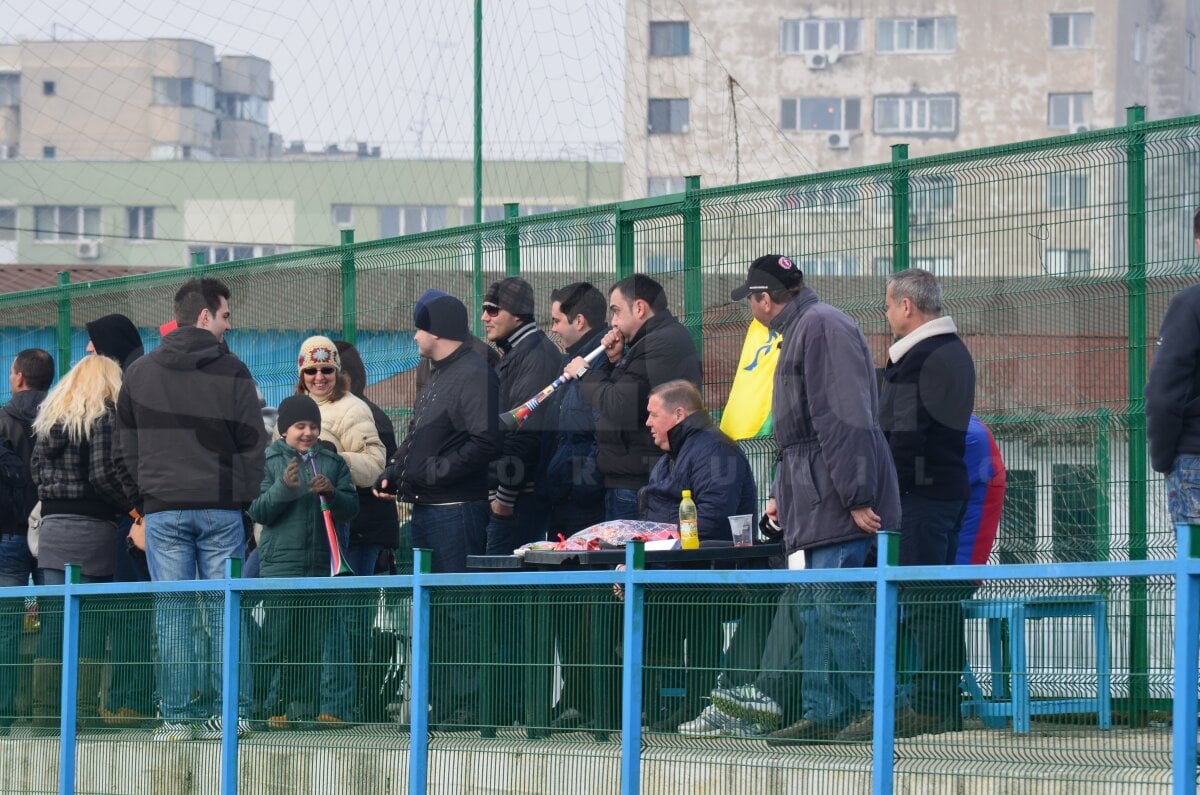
x=173, y=731
x=748, y=703
x=211, y=728
x=712, y=722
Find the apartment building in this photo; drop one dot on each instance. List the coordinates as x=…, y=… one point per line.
x=840, y=81
x=154, y=99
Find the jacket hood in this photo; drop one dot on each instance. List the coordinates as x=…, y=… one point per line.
x=23, y=406
x=694, y=423
x=189, y=348
x=116, y=337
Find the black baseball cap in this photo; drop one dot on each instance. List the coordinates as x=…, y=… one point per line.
x=769, y=272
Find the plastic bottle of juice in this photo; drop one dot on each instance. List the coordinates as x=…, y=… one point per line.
x=689, y=528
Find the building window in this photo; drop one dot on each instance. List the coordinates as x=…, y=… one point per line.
x=938, y=266
x=10, y=90
x=828, y=266
x=491, y=212
x=929, y=196
x=1066, y=191
x=141, y=223
x=1069, y=112
x=1137, y=43
x=343, y=215
x=179, y=152
x=184, y=92
x=821, y=200
x=819, y=113
x=916, y=35
x=411, y=219
x=48, y=88
x=799, y=36
x=66, y=223
x=931, y=114
x=669, y=39
x=661, y=186
x=1068, y=261
x=214, y=254
x=49, y=152
x=242, y=107
x=1070, y=31
x=8, y=223
x=668, y=116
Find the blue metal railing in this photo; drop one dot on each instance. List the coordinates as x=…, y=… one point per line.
x=886, y=578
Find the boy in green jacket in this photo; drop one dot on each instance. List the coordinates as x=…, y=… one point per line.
x=294, y=544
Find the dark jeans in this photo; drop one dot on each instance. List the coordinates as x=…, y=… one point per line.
x=620, y=504
x=527, y=524
x=782, y=654
x=345, y=657
x=131, y=636
x=931, y=612
x=16, y=568
x=451, y=532
x=292, y=639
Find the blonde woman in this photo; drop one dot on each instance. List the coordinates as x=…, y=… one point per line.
x=83, y=492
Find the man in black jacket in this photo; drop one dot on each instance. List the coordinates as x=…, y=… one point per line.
x=1172, y=407
x=646, y=347
x=528, y=362
x=926, y=402
x=441, y=467
x=28, y=380
x=191, y=433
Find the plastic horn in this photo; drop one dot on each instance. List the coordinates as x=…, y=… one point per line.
x=338, y=567
x=515, y=418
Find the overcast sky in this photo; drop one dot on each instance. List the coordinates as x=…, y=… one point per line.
x=396, y=73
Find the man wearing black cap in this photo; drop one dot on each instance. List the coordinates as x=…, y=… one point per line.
x=441, y=467
x=646, y=347
x=834, y=488
x=528, y=362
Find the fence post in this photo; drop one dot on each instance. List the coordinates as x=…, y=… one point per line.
x=623, y=232
x=64, y=323
x=231, y=657
x=349, y=289
x=1187, y=647
x=631, y=671
x=70, y=683
x=418, y=704
x=900, y=190
x=693, y=287
x=1135, y=174
x=512, y=239
x=887, y=599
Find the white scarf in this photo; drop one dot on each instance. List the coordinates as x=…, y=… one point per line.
x=931, y=328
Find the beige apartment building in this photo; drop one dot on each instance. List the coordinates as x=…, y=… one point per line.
x=833, y=84
x=154, y=99
x=737, y=92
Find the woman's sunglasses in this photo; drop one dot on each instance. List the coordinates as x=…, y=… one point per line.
x=321, y=370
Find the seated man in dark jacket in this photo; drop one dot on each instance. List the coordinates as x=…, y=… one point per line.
x=705, y=461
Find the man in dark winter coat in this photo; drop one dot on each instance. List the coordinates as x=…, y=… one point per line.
x=441, y=467
x=193, y=437
x=30, y=377
x=646, y=347
x=1172, y=404
x=835, y=487
x=925, y=407
x=572, y=487
x=528, y=362
x=699, y=458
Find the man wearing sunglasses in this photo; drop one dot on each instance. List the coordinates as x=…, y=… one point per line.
x=528, y=361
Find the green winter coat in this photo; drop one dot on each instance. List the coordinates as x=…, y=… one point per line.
x=293, y=542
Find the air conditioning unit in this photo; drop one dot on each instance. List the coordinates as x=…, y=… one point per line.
x=817, y=60
x=839, y=140
x=1082, y=128
x=87, y=249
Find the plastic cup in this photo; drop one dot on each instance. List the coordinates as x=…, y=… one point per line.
x=742, y=528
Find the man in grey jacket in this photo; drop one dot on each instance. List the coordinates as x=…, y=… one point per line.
x=835, y=487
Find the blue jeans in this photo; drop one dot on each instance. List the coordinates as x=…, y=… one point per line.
x=620, y=504
x=527, y=524
x=1183, y=490
x=452, y=532
x=838, y=646
x=190, y=545
x=16, y=567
